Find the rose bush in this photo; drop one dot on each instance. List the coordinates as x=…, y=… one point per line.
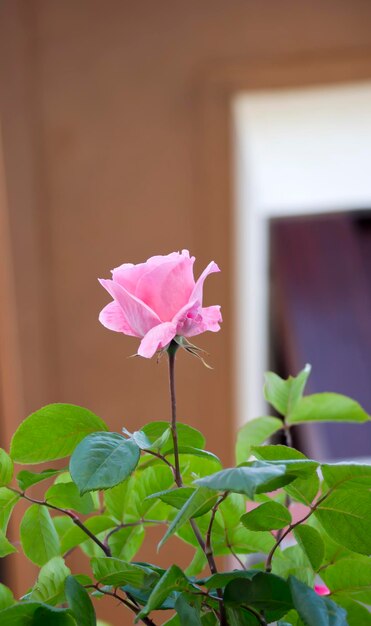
x=158, y=300
x=312, y=569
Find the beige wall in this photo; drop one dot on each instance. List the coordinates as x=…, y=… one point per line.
x=112, y=153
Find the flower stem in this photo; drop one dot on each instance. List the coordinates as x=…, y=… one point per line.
x=172, y=352
x=177, y=475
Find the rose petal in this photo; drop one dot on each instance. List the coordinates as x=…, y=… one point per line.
x=128, y=274
x=138, y=315
x=113, y=318
x=322, y=590
x=156, y=339
x=208, y=318
x=198, y=288
x=167, y=287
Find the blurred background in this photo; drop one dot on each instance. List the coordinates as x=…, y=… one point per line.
x=236, y=128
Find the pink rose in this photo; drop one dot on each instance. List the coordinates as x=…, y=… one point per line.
x=158, y=300
x=322, y=590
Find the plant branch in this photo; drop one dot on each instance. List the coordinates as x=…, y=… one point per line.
x=72, y=515
x=234, y=554
x=256, y=614
x=210, y=555
x=129, y=605
x=268, y=564
x=289, y=443
x=131, y=525
x=160, y=456
x=208, y=546
x=287, y=434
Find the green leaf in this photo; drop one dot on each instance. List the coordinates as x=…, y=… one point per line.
x=313, y=609
x=277, y=452
x=193, y=467
x=241, y=617
x=199, y=500
x=172, y=580
x=74, y=536
x=311, y=543
x=49, y=587
x=175, y=497
x=115, y=500
x=357, y=614
x=346, y=517
x=173, y=621
x=37, y=522
x=26, y=479
x=187, y=436
x=143, y=484
x=245, y=541
x=267, y=516
x=304, y=490
x=192, y=451
x=349, y=475
x=284, y=395
x=5, y=546
x=263, y=592
x=111, y=571
x=350, y=577
x=141, y=596
x=140, y=438
x=221, y=580
x=8, y=500
x=328, y=407
x=66, y=496
x=291, y=619
x=151, y=442
x=188, y=610
x=6, y=468
x=126, y=542
x=305, y=487
x=52, y=433
x=79, y=602
x=231, y=510
x=6, y=597
x=178, y=497
x=20, y=614
x=209, y=619
x=103, y=460
x=197, y=564
x=50, y=616
x=35, y=614
x=334, y=552
x=293, y=562
x=254, y=433
x=228, y=532
x=245, y=480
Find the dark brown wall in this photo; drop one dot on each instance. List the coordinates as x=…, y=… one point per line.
x=111, y=155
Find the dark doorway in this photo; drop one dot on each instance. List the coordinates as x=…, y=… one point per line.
x=321, y=314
